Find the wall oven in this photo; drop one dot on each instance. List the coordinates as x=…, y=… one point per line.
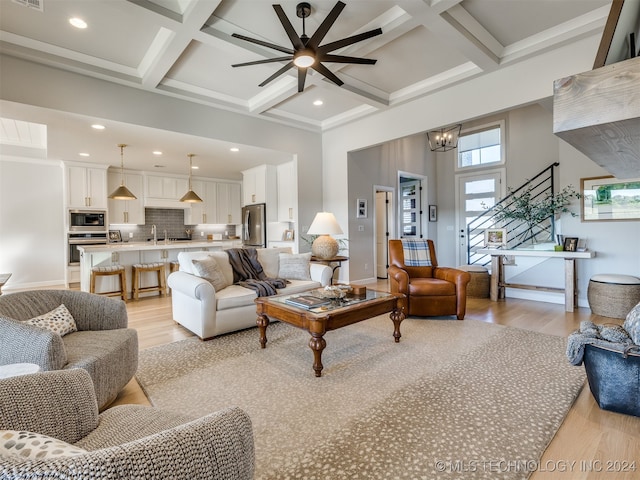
x=87, y=220
x=75, y=240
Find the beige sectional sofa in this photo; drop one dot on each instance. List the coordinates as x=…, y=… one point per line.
x=206, y=312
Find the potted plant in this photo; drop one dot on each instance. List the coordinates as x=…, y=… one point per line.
x=531, y=211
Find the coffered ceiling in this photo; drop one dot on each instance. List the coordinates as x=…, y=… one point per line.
x=184, y=48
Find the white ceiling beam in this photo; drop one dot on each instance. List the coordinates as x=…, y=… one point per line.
x=168, y=46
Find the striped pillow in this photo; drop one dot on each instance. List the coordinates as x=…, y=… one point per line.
x=416, y=253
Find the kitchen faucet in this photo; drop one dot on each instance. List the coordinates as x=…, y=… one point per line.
x=155, y=234
x=166, y=238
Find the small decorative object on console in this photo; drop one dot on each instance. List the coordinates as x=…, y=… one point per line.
x=334, y=291
x=359, y=290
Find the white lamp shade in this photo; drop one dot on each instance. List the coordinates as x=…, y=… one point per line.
x=325, y=223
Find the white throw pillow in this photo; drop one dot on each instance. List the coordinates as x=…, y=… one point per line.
x=34, y=446
x=295, y=266
x=58, y=321
x=210, y=271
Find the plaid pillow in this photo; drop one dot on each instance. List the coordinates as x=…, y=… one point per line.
x=416, y=253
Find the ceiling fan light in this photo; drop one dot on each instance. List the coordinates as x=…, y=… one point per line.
x=304, y=58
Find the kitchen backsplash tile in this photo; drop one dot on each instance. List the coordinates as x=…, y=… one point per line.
x=171, y=220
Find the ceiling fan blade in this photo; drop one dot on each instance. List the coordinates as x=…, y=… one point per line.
x=264, y=44
x=266, y=60
x=330, y=47
x=302, y=76
x=326, y=24
x=288, y=28
x=321, y=69
x=277, y=74
x=345, y=59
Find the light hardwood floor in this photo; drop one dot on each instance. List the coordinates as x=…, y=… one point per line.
x=590, y=444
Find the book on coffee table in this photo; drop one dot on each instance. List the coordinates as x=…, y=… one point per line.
x=307, y=301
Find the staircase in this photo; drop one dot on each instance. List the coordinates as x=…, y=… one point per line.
x=541, y=186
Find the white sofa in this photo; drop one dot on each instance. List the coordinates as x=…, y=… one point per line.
x=206, y=312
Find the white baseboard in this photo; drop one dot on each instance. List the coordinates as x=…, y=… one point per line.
x=547, y=297
x=51, y=284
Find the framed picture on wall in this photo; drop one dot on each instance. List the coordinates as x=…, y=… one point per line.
x=608, y=198
x=361, y=208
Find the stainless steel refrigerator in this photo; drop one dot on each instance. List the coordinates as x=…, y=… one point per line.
x=254, y=226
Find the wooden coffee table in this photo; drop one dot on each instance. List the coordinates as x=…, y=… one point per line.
x=319, y=321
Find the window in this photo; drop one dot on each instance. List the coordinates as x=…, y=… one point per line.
x=481, y=147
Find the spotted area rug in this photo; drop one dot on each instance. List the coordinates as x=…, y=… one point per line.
x=453, y=399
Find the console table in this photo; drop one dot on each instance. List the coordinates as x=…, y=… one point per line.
x=498, y=284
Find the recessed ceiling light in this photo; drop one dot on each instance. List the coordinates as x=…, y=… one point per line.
x=234, y=149
x=318, y=102
x=78, y=22
x=157, y=152
x=97, y=126
x=83, y=154
x=194, y=167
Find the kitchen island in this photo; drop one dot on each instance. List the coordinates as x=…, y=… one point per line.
x=128, y=254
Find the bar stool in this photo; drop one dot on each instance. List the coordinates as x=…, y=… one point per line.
x=105, y=272
x=157, y=267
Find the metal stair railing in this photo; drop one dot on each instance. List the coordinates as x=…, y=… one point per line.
x=540, y=187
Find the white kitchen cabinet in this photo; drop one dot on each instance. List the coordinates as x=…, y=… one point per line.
x=287, y=192
x=228, y=205
x=205, y=212
x=86, y=186
x=164, y=191
x=126, y=211
x=260, y=185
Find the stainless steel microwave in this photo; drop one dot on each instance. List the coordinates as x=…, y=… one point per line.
x=87, y=220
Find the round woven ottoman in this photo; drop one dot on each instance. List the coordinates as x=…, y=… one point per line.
x=478, y=287
x=612, y=295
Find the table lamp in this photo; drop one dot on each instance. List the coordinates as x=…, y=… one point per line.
x=325, y=224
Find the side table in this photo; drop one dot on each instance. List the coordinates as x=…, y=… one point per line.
x=15, y=369
x=338, y=259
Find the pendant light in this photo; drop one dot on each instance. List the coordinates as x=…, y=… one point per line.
x=122, y=192
x=191, y=196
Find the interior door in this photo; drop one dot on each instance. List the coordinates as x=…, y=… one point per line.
x=476, y=193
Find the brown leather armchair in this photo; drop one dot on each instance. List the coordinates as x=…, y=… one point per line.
x=430, y=291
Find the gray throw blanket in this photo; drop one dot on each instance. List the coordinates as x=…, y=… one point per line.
x=611, y=337
x=247, y=272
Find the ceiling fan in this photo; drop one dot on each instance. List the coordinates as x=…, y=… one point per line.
x=307, y=52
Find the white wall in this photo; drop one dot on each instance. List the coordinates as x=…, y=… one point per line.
x=521, y=83
x=32, y=238
x=380, y=166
